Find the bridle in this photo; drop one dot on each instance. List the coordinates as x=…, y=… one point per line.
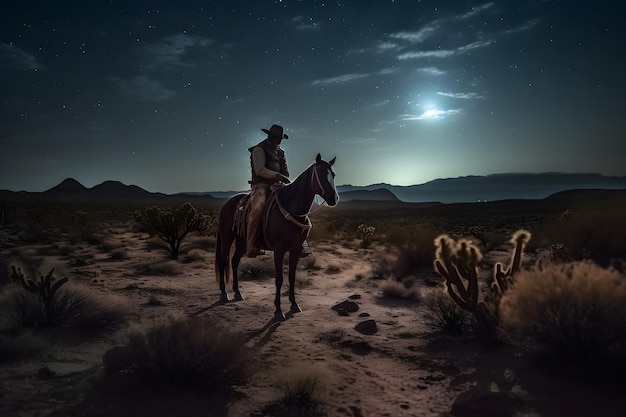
x=316, y=176
x=315, y=179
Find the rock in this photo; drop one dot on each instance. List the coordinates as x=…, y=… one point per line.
x=119, y=359
x=46, y=373
x=367, y=327
x=364, y=315
x=355, y=297
x=348, y=306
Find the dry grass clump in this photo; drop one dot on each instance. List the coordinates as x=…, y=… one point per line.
x=599, y=236
x=414, y=246
x=259, y=267
x=392, y=288
x=73, y=305
x=574, y=311
x=303, y=391
x=444, y=314
x=181, y=351
x=205, y=243
x=194, y=256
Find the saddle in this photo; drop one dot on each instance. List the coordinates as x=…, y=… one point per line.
x=240, y=221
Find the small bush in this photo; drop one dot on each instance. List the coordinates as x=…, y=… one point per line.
x=444, y=314
x=73, y=306
x=574, y=311
x=173, y=226
x=184, y=352
x=392, y=288
x=303, y=391
x=194, y=256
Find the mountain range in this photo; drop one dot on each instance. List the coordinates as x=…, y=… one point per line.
x=449, y=190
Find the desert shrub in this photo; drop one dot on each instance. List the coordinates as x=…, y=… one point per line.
x=71, y=305
x=310, y=263
x=172, y=226
x=413, y=247
x=382, y=267
x=194, y=255
x=574, y=311
x=332, y=335
x=259, y=267
x=599, y=236
x=303, y=391
x=323, y=231
x=181, y=351
x=444, y=314
x=392, y=288
x=205, y=243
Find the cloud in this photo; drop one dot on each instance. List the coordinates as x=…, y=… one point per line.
x=417, y=36
x=338, y=80
x=427, y=41
x=143, y=88
x=305, y=24
x=13, y=57
x=464, y=96
x=173, y=51
x=432, y=114
x=426, y=54
x=431, y=70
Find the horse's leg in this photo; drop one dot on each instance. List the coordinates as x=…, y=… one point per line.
x=221, y=264
x=294, y=257
x=279, y=256
x=240, y=249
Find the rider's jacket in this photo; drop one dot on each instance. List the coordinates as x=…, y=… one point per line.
x=274, y=160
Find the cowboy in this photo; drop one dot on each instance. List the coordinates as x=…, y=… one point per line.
x=269, y=171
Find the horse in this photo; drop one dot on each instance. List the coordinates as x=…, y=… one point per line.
x=287, y=226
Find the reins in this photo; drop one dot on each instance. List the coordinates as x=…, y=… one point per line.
x=291, y=217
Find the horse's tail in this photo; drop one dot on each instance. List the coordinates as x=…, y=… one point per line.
x=221, y=263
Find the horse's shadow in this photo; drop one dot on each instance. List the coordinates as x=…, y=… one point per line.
x=205, y=309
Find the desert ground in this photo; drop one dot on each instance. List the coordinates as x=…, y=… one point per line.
x=403, y=366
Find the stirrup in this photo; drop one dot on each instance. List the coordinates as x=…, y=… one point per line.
x=306, y=249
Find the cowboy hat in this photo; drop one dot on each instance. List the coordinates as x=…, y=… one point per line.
x=276, y=131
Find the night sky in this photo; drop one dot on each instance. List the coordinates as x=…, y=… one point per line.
x=168, y=95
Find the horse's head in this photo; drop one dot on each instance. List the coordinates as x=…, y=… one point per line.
x=324, y=180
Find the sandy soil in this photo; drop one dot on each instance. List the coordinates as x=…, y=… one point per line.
x=405, y=369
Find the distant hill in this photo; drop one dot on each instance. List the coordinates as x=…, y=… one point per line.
x=495, y=187
x=468, y=189
x=70, y=190
x=379, y=194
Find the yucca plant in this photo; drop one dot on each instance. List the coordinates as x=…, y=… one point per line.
x=46, y=289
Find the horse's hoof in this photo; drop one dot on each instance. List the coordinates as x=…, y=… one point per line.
x=224, y=298
x=239, y=297
x=279, y=316
x=295, y=308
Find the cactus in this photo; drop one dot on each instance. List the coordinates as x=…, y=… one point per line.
x=457, y=263
x=46, y=289
x=173, y=225
x=366, y=233
x=503, y=278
